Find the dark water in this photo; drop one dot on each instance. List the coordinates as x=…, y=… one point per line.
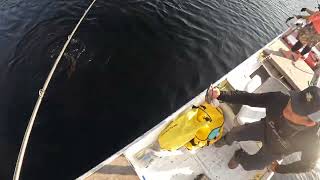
x=131, y=64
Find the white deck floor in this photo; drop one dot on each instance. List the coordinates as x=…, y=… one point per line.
x=209, y=160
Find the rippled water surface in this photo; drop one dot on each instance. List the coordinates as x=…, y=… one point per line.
x=130, y=64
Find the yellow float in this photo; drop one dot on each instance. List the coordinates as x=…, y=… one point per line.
x=197, y=127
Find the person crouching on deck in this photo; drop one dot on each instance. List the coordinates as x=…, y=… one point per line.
x=291, y=125
x=309, y=35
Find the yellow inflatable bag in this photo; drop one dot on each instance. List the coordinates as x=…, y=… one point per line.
x=194, y=128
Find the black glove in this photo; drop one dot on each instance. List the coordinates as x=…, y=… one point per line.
x=303, y=9
x=289, y=18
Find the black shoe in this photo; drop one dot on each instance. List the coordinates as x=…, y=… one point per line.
x=202, y=177
x=221, y=142
x=234, y=162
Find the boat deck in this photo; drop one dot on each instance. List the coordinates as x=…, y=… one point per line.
x=140, y=159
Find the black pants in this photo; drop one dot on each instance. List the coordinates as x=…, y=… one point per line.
x=251, y=132
x=298, y=45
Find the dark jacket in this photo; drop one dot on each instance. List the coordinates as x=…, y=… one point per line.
x=281, y=137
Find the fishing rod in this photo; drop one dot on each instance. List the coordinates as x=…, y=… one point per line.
x=42, y=92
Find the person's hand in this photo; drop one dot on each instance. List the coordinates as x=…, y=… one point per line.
x=303, y=9
x=272, y=167
x=212, y=93
x=215, y=93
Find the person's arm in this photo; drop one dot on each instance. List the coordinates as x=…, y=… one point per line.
x=251, y=99
x=308, y=11
x=302, y=17
x=307, y=163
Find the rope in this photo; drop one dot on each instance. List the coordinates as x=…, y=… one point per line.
x=42, y=92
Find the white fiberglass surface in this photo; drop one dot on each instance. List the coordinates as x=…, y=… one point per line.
x=187, y=165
